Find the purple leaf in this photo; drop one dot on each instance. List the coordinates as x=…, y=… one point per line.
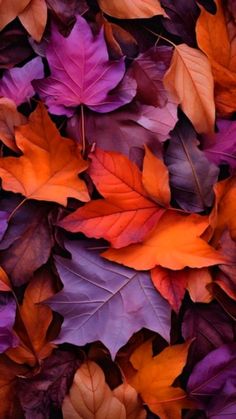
x=220, y=148
x=27, y=243
x=81, y=75
x=210, y=374
x=149, y=69
x=224, y=406
x=46, y=391
x=65, y=11
x=16, y=83
x=210, y=326
x=7, y=320
x=104, y=301
x=3, y=223
x=191, y=175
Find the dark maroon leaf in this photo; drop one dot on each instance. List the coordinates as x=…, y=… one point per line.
x=105, y=301
x=65, y=11
x=14, y=46
x=27, y=242
x=223, y=406
x=191, y=175
x=7, y=320
x=209, y=5
x=46, y=390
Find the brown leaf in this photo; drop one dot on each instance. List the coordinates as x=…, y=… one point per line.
x=132, y=9
x=129, y=398
x=10, y=9
x=9, y=118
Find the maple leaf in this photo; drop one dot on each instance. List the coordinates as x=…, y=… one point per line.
x=167, y=246
x=33, y=321
x=84, y=76
x=190, y=80
x=9, y=118
x=90, y=296
x=155, y=376
x=216, y=38
x=49, y=166
x=126, y=214
x=90, y=396
x=34, y=18
x=192, y=176
x=132, y=9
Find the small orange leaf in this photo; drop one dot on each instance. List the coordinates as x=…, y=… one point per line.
x=129, y=398
x=189, y=79
x=49, y=167
x=9, y=10
x=34, y=18
x=197, y=280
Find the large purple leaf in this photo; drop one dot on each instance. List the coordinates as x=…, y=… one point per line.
x=81, y=72
x=44, y=392
x=27, y=242
x=16, y=82
x=211, y=373
x=191, y=175
x=149, y=69
x=7, y=320
x=105, y=301
x=220, y=148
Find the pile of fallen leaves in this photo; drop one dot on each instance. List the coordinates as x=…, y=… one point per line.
x=117, y=209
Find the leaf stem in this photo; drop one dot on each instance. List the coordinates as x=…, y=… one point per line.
x=160, y=37
x=82, y=129
x=16, y=209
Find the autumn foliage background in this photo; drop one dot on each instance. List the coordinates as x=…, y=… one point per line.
x=117, y=209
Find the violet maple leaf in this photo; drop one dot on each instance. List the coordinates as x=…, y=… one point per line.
x=16, y=82
x=220, y=147
x=81, y=73
x=7, y=319
x=104, y=301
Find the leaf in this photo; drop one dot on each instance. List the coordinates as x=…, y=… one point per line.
x=189, y=79
x=167, y=246
x=170, y=284
x=96, y=303
x=225, y=208
x=34, y=18
x=9, y=118
x=84, y=76
x=225, y=405
x=132, y=9
x=49, y=166
x=129, y=398
x=220, y=147
x=155, y=376
x=9, y=10
x=16, y=82
x=198, y=279
x=7, y=320
x=210, y=374
x=33, y=322
x=15, y=46
x=216, y=38
x=65, y=11
x=191, y=175
x=91, y=397
x=46, y=390
x=127, y=214
x=155, y=178
x=27, y=243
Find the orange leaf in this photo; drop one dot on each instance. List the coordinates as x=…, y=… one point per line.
x=216, y=38
x=198, y=279
x=9, y=118
x=170, y=284
x=33, y=321
x=9, y=10
x=155, y=376
x=90, y=397
x=155, y=178
x=49, y=166
x=34, y=18
x=127, y=214
x=132, y=9
x=190, y=80
x=174, y=244
x=5, y=284
x=129, y=398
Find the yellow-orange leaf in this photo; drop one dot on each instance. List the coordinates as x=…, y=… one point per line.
x=90, y=397
x=155, y=376
x=132, y=9
x=190, y=80
x=33, y=322
x=174, y=244
x=49, y=167
x=34, y=18
x=155, y=178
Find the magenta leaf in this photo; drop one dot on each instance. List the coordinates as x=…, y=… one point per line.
x=81, y=73
x=105, y=301
x=16, y=82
